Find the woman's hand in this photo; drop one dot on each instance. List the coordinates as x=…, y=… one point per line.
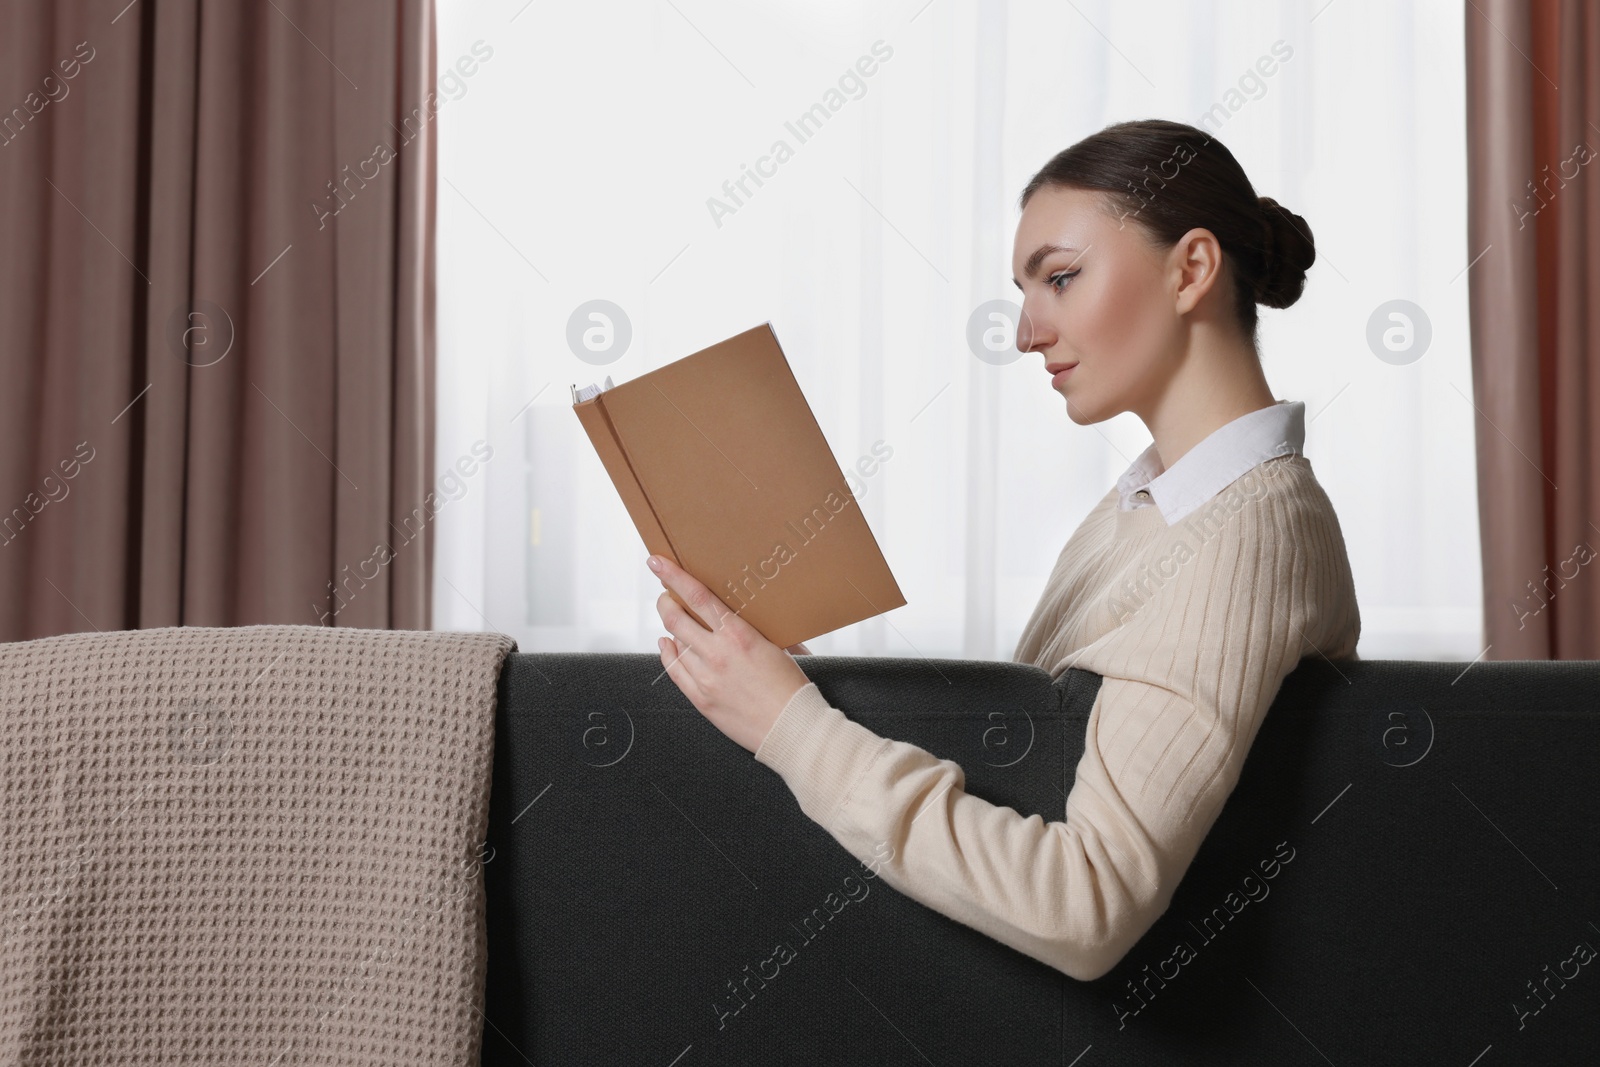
x=736, y=678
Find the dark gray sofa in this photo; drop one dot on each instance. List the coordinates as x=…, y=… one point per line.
x=1430, y=837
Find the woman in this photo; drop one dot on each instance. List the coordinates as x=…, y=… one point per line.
x=1200, y=580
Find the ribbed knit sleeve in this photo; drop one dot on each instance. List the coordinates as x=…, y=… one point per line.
x=1188, y=673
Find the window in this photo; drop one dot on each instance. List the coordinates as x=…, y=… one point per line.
x=628, y=153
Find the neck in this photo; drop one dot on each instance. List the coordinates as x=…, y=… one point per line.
x=1215, y=383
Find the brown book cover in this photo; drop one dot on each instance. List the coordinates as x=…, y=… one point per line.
x=723, y=468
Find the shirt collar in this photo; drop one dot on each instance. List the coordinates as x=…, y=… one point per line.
x=1218, y=460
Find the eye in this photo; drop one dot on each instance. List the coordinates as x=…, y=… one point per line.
x=1062, y=276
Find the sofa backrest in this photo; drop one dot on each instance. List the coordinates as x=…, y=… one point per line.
x=654, y=893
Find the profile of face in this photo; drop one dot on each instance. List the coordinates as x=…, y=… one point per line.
x=1101, y=296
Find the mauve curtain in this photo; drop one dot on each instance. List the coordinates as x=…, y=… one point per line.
x=216, y=329
x=1533, y=142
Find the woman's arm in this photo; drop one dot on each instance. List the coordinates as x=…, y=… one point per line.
x=1186, y=682
x=1074, y=894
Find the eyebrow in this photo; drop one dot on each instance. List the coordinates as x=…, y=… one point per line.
x=1030, y=268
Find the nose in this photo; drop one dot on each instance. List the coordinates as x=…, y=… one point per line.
x=1031, y=334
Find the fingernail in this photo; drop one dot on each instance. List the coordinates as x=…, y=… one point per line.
x=655, y=564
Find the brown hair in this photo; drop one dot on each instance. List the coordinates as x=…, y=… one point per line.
x=1268, y=248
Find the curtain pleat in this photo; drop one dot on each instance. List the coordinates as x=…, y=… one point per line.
x=215, y=315
x=1533, y=135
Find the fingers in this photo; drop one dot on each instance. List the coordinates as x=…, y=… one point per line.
x=702, y=601
x=682, y=624
x=686, y=631
x=678, y=670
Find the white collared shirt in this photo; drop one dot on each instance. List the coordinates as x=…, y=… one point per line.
x=1215, y=463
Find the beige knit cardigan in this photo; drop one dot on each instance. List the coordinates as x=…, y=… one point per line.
x=1193, y=628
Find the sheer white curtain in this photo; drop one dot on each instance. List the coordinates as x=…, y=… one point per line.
x=584, y=158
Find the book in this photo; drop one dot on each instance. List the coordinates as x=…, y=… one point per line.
x=723, y=468
x=579, y=395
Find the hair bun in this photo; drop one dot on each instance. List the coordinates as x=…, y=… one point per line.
x=1287, y=252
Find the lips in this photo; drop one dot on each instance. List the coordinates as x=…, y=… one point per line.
x=1057, y=368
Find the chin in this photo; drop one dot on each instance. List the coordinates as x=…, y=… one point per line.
x=1078, y=413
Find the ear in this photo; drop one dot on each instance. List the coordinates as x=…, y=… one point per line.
x=1197, y=262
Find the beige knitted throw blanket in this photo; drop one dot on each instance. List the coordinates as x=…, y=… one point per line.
x=248, y=845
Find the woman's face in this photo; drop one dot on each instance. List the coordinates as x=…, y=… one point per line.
x=1095, y=293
